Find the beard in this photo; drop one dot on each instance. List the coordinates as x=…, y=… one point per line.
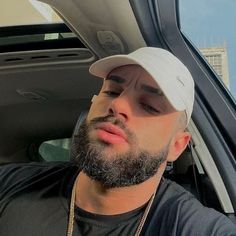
x=116, y=170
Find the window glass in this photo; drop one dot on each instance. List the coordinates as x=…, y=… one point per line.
x=210, y=25
x=31, y=25
x=55, y=150
x=13, y=12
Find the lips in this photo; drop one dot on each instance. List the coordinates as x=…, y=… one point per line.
x=110, y=133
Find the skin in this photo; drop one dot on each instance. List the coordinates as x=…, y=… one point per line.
x=131, y=94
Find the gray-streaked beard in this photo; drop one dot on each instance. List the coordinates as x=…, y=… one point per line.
x=130, y=168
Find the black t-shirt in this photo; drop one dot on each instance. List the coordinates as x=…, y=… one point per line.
x=35, y=198
x=94, y=224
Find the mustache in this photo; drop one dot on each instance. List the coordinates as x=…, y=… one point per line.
x=115, y=121
x=110, y=119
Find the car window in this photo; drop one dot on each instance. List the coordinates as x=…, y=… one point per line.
x=209, y=24
x=13, y=13
x=41, y=28
x=55, y=150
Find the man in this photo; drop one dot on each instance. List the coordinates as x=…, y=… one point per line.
x=114, y=185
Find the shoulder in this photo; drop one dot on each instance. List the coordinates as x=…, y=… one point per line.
x=171, y=197
x=170, y=191
x=20, y=175
x=20, y=181
x=34, y=166
x=25, y=170
x=188, y=215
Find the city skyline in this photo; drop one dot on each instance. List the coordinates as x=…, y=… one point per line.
x=217, y=57
x=211, y=22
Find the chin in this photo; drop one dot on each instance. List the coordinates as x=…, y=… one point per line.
x=109, y=151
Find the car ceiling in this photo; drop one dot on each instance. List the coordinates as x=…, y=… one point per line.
x=107, y=28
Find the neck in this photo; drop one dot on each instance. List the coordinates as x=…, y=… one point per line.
x=91, y=196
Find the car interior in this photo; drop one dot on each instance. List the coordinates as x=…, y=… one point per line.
x=46, y=91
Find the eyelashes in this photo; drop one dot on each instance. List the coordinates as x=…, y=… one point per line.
x=145, y=106
x=149, y=109
x=111, y=93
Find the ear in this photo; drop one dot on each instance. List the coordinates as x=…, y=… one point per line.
x=178, y=145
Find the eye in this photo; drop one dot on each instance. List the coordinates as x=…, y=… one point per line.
x=149, y=109
x=111, y=93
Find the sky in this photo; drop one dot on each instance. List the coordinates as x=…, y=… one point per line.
x=212, y=23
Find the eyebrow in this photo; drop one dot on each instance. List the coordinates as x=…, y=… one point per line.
x=152, y=90
x=116, y=78
x=146, y=88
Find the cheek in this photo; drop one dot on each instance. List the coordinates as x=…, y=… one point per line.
x=152, y=135
x=98, y=108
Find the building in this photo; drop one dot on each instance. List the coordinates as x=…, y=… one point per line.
x=218, y=59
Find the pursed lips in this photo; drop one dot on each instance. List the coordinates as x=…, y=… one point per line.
x=110, y=133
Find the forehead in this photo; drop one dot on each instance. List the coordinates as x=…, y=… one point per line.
x=137, y=77
x=132, y=73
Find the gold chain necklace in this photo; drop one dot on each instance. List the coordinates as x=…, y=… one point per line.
x=72, y=214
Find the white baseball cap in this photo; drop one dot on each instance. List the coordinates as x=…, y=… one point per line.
x=171, y=75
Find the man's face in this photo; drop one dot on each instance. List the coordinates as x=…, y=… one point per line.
x=128, y=129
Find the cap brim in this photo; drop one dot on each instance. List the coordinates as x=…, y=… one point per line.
x=104, y=66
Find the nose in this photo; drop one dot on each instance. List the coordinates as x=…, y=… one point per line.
x=120, y=107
